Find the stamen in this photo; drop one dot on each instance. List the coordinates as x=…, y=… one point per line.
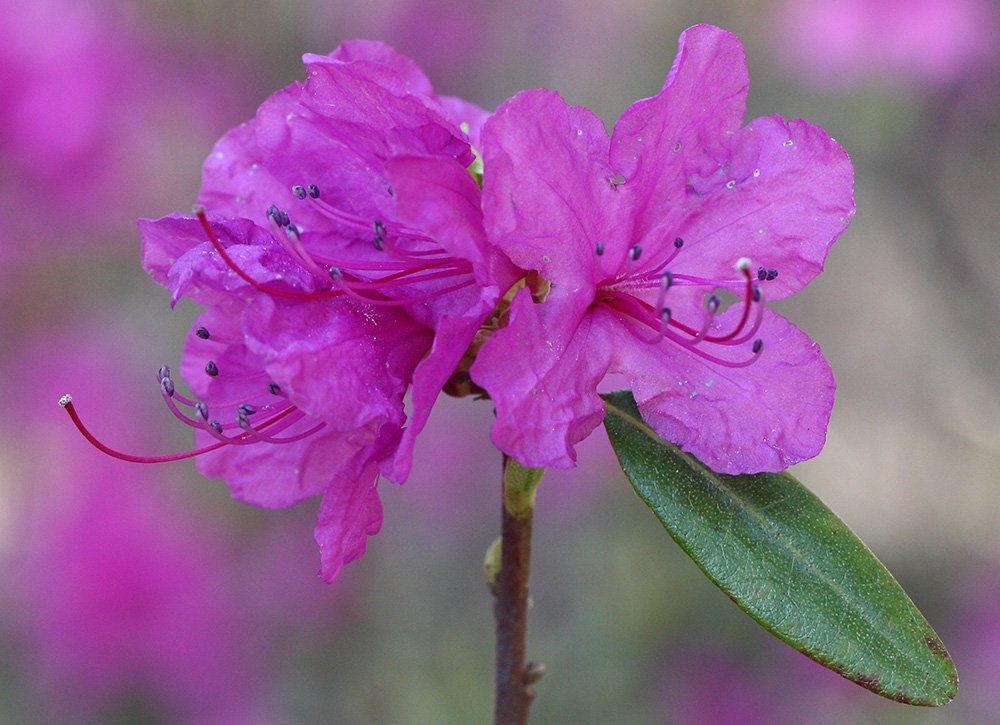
x=202, y=332
x=67, y=402
x=619, y=295
x=199, y=211
x=211, y=368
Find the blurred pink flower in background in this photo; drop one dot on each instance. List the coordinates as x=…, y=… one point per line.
x=929, y=43
x=97, y=104
x=124, y=594
x=129, y=593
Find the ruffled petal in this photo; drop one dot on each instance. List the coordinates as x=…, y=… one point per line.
x=342, y=361
x=265, y=474
x=542, y=378
x=780, y=195
x=349, y=514
x=763, y=417
x=659, y=140
x=548, y=192
x=177, y=254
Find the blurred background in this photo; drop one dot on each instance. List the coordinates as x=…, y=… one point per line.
x=144, y=594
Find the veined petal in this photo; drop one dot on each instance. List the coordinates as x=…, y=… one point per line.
x=659, y=140
x=349, y=513
x=176, y=254
x=439, y=195
x=343, y=362
x=765, y=416
x=548, y=192
x=780, y=195
x=542, y=377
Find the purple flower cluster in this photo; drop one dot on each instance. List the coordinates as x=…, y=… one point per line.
x=365, y=243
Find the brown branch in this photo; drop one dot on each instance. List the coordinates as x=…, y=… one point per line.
x=513, y=679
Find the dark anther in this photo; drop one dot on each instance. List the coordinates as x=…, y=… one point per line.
x=761, y=274
x=771, y=274
x=678, y=242
x=335, y=272
x=755, y=295
x=201, y=410
x=292, y=231
x=274, y=388
x=313, y=191
x=379, y=228
x=299, y=191
x=216, y=426
x=599, y=249
x=713, y=303
x=168, y=386
x=378, y=243
x=634, y=252
x=211, y=368
x=163, y=372
x=202, y=332
x=665, y=315
x=758, y=345
x=667, y=280
x=280, y=217
x=246, y=409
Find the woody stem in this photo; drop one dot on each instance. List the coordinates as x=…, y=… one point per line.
x=514, y=679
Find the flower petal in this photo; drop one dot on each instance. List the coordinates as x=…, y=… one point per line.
x=349, y=514
x=548, y=196
x=542, y=378
x=762, y=417
x=342, y=361
x=780, y=195
x=660, y=139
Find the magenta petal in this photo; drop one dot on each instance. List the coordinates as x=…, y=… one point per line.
x=782, y=193
x=234, y=181
x=349, y=514
x=342, y=361
x=763, y=417
x=379, y=62
x=177, y=254
x=543, y=382
x=440, y=196
x=661, y=138
x=451, y=339
x=548, y=197
x=461, y=111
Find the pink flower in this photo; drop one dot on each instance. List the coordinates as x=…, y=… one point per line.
x=633, y=232
x=93, y=103
x=123, y=593
x=931, y=42
x=316, y=328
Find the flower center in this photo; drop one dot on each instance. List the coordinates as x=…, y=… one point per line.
x=405, y=266
x=640, y=297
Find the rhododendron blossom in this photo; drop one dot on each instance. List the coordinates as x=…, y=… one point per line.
x=636, y=235
x=342, y=260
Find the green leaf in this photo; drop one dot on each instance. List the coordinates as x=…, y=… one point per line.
x=786, y=559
